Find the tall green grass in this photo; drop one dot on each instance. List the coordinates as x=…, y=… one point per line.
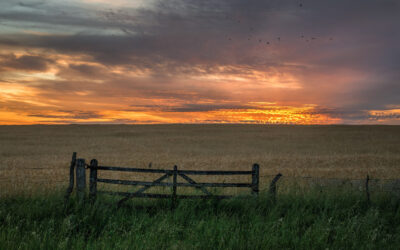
x=309, y=221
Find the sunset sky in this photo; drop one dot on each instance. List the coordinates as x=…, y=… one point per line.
x=200, y=61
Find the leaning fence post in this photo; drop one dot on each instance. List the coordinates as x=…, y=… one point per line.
x=272, y=186
x=80, y=179
x=71, y=176
x=367, y=188
x=93, y=179
x=255, y=177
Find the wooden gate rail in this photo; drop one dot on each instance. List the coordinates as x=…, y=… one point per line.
x=169, y=184
x=194, y=172
x=138, y=170
x=150, y=195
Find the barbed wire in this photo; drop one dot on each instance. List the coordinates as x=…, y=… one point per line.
x=330, y=178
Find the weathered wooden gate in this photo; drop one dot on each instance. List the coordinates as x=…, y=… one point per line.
x=184, y=174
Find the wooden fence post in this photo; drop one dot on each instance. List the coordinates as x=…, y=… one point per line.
x=367, y=188
x=255, y=177
x=272, y=186
x=71, y=177
x=174, y=185
x=80, y=179
x=93, y=179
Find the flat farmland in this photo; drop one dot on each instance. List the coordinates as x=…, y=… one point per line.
x=38, y=157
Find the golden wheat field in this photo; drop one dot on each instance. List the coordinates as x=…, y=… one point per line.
x=38, y=157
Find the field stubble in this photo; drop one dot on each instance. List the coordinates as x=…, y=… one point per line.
x=37, y=157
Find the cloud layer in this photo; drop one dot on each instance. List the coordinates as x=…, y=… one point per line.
x=200, y=61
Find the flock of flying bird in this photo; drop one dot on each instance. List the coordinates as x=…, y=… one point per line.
x=251, y=36
x=278, y=39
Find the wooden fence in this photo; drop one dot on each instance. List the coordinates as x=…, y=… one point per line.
x=94, y=168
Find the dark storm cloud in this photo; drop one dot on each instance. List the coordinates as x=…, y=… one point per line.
x=191, y=107
x=346, y=114
x=114, y=121
x=25, y=62
x=193, y=20
x=187, y=32
x=120, y=85
x=196, y=32
x=208, y=107
x=70, y=114
x=50, y=14
x=84, y=69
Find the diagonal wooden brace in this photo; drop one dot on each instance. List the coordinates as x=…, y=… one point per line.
x=145, y=188
x=191, y=181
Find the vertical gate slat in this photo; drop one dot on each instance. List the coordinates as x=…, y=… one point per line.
x=93, y=179
x=174, y=184
x=80, y=179
x=255, y=179
x=367, y=189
